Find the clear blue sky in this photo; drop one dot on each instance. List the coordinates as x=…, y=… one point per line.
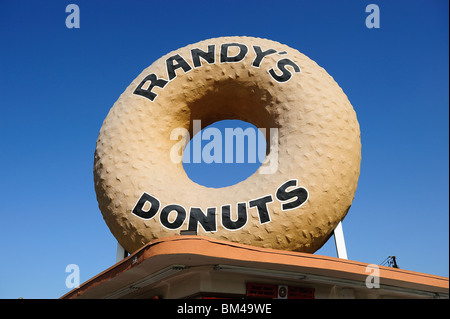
x=58, y=84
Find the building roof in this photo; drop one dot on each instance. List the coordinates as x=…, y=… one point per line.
x=171, y=258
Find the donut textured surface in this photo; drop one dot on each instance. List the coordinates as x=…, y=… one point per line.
x=144, y=195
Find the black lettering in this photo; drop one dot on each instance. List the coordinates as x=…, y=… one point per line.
x=154, y=81
x=261, y=205
x=224, y=52
x=241, y=216
x=164, y=216
x=260, y=55
x=207, y=56
x=138, y=210
x=300, y=193
x=286, y=74
x=180, y=63
x=208, y=221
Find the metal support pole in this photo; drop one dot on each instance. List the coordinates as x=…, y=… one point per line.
x=340, y=242
x=121, y=253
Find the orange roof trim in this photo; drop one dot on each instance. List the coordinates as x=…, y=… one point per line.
x=180, y=247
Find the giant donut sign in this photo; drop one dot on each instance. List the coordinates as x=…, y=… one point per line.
x=144, y=195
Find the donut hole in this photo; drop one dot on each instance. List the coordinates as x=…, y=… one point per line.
x=231, y=99
x=224, y=153
x=222, y=105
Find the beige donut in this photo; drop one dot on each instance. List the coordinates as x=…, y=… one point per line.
x=144, y=195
